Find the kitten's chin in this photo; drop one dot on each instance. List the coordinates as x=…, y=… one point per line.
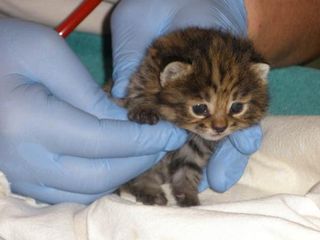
x=212, y=137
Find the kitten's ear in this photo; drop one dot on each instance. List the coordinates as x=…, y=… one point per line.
x=173, y=71
x=262, y=69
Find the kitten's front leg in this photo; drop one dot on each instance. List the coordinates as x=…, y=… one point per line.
x=143, y=114
x=143, y=108
x=147, y=188
x=185, y=183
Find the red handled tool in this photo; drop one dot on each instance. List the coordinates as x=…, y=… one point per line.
x=76, y=17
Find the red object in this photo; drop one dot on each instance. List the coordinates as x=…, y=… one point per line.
x=76, y=17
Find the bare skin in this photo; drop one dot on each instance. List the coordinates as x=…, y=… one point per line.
x=286, y=32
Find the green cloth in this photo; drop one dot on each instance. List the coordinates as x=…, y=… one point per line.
x=293, y=91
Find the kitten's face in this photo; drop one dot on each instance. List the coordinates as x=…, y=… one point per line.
x=203, y=80
x=211, y=102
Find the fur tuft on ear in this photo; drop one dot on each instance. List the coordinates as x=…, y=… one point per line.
x=173, y=71
x=262, y=69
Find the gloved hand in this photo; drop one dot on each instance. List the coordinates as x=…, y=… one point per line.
x=135, y=24
x=61, y=139
x=229, y=161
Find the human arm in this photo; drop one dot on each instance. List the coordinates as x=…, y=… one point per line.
x=285, y=32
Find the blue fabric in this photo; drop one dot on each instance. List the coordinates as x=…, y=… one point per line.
x=61, y=139
x=135, y=24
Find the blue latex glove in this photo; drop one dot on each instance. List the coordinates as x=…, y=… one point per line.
x=61, y=139
x=135, y=24
x=229, y=161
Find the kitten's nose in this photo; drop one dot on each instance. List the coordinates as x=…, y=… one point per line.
x=219, y=128
x=219, y=124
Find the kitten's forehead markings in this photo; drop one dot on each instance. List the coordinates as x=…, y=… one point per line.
x=231, y=76
x=215, y=72
x=203, y=63
x=224, y=73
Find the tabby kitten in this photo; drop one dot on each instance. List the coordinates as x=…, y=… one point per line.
x=206, y=81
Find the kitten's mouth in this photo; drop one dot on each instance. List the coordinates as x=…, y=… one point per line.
x=213, y=136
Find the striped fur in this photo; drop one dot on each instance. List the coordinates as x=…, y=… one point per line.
x=180, y=71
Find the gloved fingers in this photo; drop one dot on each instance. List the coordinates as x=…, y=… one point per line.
x=197, y=14
x=52, y=195
x=133, y=28
x=81, y=175
x=225, y=167
x=221, y=15
x=34, y=113
x=39, y=53
x=129, y=44
x=247, y=141
x=91, y=176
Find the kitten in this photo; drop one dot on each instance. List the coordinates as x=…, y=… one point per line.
x=206, y=81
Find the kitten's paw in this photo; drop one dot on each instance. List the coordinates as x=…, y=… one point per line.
x=152, y=199
x=187, y=199
x=144, y=115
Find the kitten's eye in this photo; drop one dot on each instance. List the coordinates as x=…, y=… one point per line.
x=236, y=107
x=200, y=109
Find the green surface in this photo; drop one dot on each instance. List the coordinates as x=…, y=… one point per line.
x=293, y=91
x=93, y=53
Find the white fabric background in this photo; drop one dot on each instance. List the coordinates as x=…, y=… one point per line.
x=277, y=198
